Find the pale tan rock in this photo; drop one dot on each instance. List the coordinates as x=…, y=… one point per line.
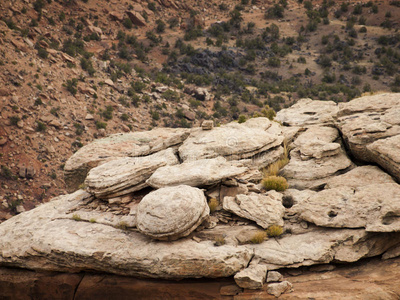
x=371, y=128
x=308, y=112
x=316, y=157
x=280, y=288
x=230, y=141
x=265, y=210
x=202, y=172
x=360, y=176
x=33, y=240
x=375, y=207
x=322, y=245
x=274, y=276
x=172, y=212
x=131, y=144
x=386, y=153
x=207, y=125
x=125, y=175
x=252, y=277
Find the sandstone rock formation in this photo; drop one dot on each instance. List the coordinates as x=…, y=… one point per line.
x=230, y=141
x=203, y=172
x=371, y=128
x=117, y=146
x=308, y=112
x=335, y=210
x=375, y=207
x=125, y=175
x=265, y=210
x=317, y=155
x=172, y=212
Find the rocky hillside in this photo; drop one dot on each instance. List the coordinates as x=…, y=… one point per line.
x=193, y=203
x=73, y=71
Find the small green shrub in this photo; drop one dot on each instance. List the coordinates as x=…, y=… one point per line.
x=76, y=217
x=14, y=120
x=277, y=183
x=100, y=125
x=242, y=119
x=127, y=23
x=92, y=220
x=274, y=230
x=122, y=225
x=6, y=172
x=40, y=127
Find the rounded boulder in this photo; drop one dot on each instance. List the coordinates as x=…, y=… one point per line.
x=172, y=212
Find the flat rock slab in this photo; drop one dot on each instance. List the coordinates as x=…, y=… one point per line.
x=321, y=246
x=360, y=176
x=202, y=172
x=308, y=112
x=117, y=146
x=232, y=141
x=172, y=212
x=265, y=210
x=125, y=175
x=46, y=238
x=375, y=207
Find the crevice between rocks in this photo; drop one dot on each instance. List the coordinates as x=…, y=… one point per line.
x=77, y=286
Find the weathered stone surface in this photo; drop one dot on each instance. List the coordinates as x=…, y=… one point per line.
x=32, y=240
x=252, y=277
x=172, y=212
x=265, y=210
x=230, y=141
x=316, y=157
x=360, y=176
x=274, y=276
x=280, y=288
x=386, y=153
x=321, y=245
x=371, y=128
x=375, y=207
x=136, y=18
x=207, y=125
x=195, y=173
x=308, y=112
x=125, y=175
x=118, y=145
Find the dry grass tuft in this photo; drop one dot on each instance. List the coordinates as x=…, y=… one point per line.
x=274, y=230
x=76, y=217
x=277, y=183
x=258, y=237
x=213, y=204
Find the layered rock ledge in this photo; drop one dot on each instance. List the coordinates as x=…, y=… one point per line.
x=178, y=203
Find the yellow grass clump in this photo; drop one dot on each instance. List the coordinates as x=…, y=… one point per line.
x=258, y=237
x=274, y=230
x=277, y=183
x=213, y=204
